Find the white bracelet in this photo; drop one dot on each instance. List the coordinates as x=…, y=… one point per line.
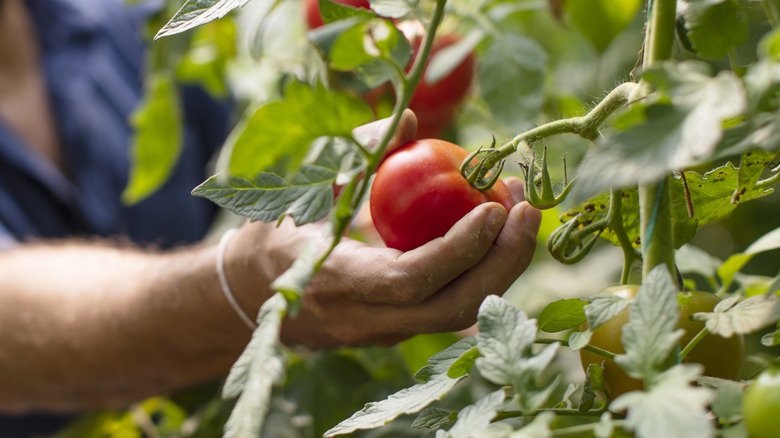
x=223, y=279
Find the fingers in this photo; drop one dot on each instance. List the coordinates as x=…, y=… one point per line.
x=516, y=187
x=369, y=134
x=411, y=277
x=455, y=306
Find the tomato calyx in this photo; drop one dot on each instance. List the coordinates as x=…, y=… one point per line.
x=478, y=166
x=544, y=197
x=572, y=241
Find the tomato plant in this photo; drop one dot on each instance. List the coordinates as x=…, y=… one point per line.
x=419, y=193
x=312, y=10
x=761, y=405
x=721, y=357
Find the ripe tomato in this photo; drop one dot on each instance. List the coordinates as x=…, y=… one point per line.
x=418, y=193
x=721, y=357
x=312, y=8
x=761, y=405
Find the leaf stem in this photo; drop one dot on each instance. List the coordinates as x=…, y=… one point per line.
x=630, y=255
x=592, y=349
x=692, y=344
x=586, y=126
x=582, y=428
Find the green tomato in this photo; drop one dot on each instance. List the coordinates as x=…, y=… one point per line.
x=721, y=357
x=761, y=405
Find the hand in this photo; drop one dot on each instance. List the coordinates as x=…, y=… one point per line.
x=365, y=295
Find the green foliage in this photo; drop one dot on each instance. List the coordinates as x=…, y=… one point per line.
x=602, y=20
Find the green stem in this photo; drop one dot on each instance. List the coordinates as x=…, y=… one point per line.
x=582, y=428
x=692, y=344
x=771, y=12
x=616, y=224
x=586, y=126
x=503, y=415
x=655, y=199
x=592, y=349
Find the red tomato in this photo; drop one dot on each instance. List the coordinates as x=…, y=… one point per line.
x=312, y=7
x=418, y=193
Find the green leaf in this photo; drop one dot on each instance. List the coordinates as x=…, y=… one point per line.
x=207, y=58
x=476, y=418
x=602, y=20
x=447, y=59
x=331, y=11
x=650, y=334
x=156, y=145
x=432, y=418
x=673, y=408
x=594, y=384
x=409, y=400
x=307, y=198
x=727, y=404
x=392, y=8
x=735, y=262
x=562, y=315
x=286, y=128
x=511, y=78
x=197, y=12
x=714, y=26
x=693, y=260
x=603, y=307
x=465, y=362
x=578, y=340
x=376, y=50
x=254, y=374
x=747, y=316
x=682, y=126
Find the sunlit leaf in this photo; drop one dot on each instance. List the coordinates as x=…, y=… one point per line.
x=158, y=138
x=197, y=12
x=475, y=418
x=747, y=316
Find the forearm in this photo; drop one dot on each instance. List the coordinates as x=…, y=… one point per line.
x=94, y=325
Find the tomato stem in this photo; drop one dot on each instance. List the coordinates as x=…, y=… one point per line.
x=615, y=220
x=586, y=126
x=592, y=349
x=692, y=344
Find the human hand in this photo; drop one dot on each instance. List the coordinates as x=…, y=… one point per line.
x=365, y=295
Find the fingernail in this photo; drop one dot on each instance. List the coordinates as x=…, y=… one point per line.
x=532, y=217
x=496, y=219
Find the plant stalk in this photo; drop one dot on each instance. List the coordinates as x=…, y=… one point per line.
x=655, y=216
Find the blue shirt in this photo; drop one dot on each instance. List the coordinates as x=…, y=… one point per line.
x=93, y=57
x=93, y=60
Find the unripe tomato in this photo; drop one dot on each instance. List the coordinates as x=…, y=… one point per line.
x=721, y=357
x=418, y=193
x=312, y=8
x=761, y=405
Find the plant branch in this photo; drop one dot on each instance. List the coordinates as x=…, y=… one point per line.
x=655, y=199
x=630, y=254
x=592, y=349
x=586, y=126
x=692, y=344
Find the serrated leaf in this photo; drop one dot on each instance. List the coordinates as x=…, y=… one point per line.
x=409, y=400
x=600, y=21
x=673, y=408
x=748, y=316
x=562, y=315
x=594, y=384
x=511, y=77
x=714, y=26
x=674, y=133
x=603, y=307
x=268, y=197
x=197, y=12
x=475, y=418
x=505, y=338
x=157, y=139
x=432, y=418
x=650, y=335
x=734, y=263
x=286, y=128
x=259, y=367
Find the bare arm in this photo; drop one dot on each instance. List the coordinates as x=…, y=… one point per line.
x=95, y=324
